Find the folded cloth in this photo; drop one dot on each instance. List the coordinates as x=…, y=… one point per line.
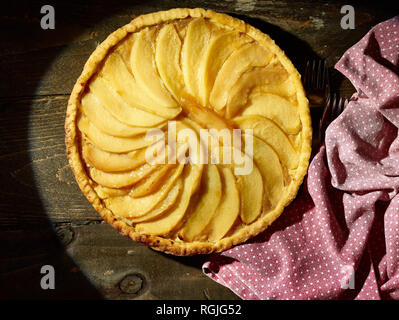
x=340, y=238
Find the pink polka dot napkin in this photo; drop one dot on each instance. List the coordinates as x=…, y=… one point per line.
x=339, y=239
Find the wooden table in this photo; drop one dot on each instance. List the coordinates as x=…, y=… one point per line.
x=44, y=218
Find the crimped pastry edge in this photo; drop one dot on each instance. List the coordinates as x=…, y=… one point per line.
x=156, y=242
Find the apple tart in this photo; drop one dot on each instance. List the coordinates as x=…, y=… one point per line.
x=163, y=80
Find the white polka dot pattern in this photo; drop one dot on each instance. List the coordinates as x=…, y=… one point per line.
x=345, y=221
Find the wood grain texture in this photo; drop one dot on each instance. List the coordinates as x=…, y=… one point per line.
x=44, y=218
x=98, y=253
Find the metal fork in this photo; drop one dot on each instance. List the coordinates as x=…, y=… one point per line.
x=316, y=81
x=334, y=107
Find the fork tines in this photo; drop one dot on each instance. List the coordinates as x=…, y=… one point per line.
x=315, y=74
x=334, y=106
x=316, y=81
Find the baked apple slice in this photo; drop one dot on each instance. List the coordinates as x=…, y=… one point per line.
x=144, y=69
x=165, y=205
x=111, y=143
x=195, y=43
x=260, y=76
x=276, y=108
x=219, y=49
x=112, y=162
x=151, y=183
x=271, y=133
x=252, y=192
x=128, y=206
x=248, y=56
x=117, y=74
x=167, y=56
x=121, y=179
x=228, y=209
x=120, y=109
x=211, y=193
x=105, y=192
x=269, y=166
x=167, y=222
x=103, y=119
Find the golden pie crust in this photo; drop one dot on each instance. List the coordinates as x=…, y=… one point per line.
x=296, y=129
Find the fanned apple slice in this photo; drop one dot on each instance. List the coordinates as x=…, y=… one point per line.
x=110, y=143
x=286, y=88
x=194, y=46
x=130, y=207
x=248, y=56
x=211, y=193
x=167, y=57
x=101, y=118
x=207, y=141
x=167, y=222
x=219, y=49
x=276, y=108
x=269, y=166
x=144, y=69
x=120, y=109
x=207, y=117
x=121, y=179
x=151, y=183
x=252, y=190
x=259, y=76
x=140, y=206
x=187, y=147
x=105, y=192
x=271, y=133
x=117, y=74
x=124, y=48
x=249, y=181
x=112, y=162
x=227, y=211
x=164, y=205
x=296, y=140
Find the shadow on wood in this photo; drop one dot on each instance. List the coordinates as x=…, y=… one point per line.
x=29, y=239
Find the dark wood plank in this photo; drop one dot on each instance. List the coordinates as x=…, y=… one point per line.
x=48, y=62
x=37, y=183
